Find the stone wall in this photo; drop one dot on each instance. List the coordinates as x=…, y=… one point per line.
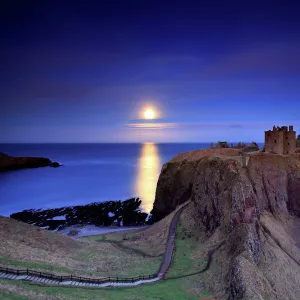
x=274, y=142
x=298, y=141
x=280, y=140
x=289, y=142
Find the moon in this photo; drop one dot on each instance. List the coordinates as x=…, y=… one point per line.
x=149, y=114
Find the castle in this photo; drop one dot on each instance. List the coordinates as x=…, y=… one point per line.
x=280, y=140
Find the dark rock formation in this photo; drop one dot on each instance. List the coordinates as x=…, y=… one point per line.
x=254, y=209
x=9, y=163
x=100, y=214
x=55, y=164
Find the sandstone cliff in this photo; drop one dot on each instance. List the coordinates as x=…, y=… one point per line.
x=254, y=210
x=8, y=163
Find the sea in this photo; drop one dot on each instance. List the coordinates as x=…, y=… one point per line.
x=89, y=173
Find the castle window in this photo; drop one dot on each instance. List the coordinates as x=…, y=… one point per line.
x=286, y=138
x=288, y=143
x=275, y=141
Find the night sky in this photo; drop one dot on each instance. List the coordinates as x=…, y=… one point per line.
x=84, y=71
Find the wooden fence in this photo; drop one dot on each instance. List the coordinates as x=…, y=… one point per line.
x=27, y=272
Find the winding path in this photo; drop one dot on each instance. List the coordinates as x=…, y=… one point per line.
x=166, y=262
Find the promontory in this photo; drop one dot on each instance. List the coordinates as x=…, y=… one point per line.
x=9, y=163
x=245, y=208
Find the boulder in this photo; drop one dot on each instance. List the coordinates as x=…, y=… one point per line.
x=55, y=164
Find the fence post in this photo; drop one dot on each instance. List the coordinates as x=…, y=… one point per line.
x=149, y=276
x=109, y=279
x=80, y=279
x=40, y=274
x=60, y=278
x=17, y=272
x=117, y=279
x=27, y=271
x=71, y=277
x=132, y=279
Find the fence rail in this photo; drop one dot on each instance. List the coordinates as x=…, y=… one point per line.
x=61, y=278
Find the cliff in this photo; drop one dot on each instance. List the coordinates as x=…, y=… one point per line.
x=8, y=163
x=253, y=210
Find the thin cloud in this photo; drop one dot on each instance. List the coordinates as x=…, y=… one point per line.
x=158, y=123
x=151, y=125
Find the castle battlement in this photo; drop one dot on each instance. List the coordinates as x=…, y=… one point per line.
x=280, y=140
x=282, y=128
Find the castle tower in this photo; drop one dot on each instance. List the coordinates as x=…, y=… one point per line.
x=280, y=140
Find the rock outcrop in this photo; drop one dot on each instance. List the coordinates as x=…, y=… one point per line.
x=108, y=213
x=253, y=209
x=9, y=163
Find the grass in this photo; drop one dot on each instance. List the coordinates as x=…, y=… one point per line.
x=167, y=290
x=138, y=241
x=180, y=284
x=183, y=262
x=95, y=263
x=42, y=250
x=117, y=262
x=6, y=262
x=5, y=295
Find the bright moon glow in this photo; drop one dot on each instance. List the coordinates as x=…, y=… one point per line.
x=149, y=114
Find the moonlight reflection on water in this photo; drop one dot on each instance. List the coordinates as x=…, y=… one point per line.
x=147, y=175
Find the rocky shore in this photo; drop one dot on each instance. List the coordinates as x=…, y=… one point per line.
x=117, y=213
x=9, y=163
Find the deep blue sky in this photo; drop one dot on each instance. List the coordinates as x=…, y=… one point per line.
x=83, y=72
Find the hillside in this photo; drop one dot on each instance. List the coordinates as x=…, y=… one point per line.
x=253, y=210
x=28, y=246
x=122, y=254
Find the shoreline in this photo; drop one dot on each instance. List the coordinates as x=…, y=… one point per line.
x=78, y=231
x=117, y=214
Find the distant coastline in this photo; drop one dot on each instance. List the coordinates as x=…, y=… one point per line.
x=11, y=163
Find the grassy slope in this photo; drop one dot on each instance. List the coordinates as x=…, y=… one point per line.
x=179, y=284
x=26, y=246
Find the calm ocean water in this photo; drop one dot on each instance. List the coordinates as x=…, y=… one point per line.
x=91, y=173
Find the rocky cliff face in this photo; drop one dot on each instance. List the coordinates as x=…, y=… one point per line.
x=254, y=209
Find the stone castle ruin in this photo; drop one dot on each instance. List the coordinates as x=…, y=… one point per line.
x=280, y=140
x=253, y=147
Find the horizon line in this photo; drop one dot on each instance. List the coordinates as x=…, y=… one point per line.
x=27, y=143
